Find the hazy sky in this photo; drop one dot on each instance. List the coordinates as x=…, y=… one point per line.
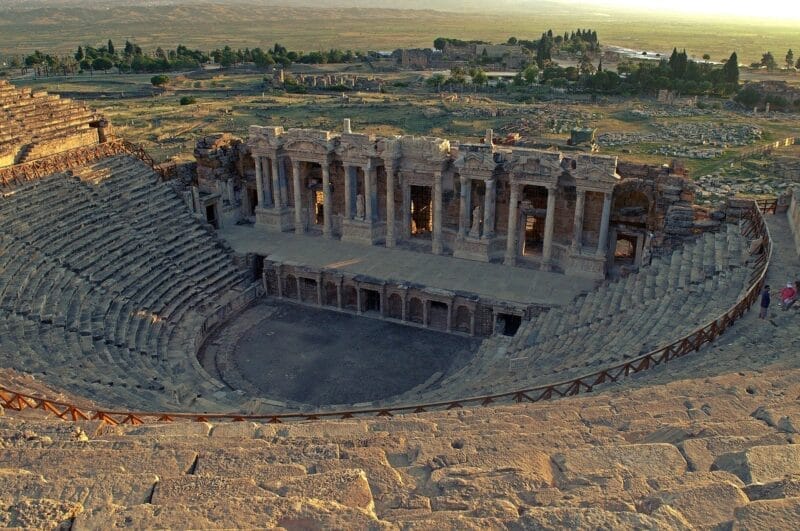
x=780, y=9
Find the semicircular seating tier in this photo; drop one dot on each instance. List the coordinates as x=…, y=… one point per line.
x=664, y=301
x=37, y=124
x=107, y=284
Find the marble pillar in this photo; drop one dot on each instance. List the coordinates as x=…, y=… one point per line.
x=327, y=202
x=437, y=246
x=577, y=235
x=465, y=207
x=406, y=232
x=265, y=183
x=259, y=183
x=549, y=223
x=349, y=192
x=602, y=240
x=277, y=197
x=390, y=237
x=299, y=226
x=513, y=218
x=370, y=192
x=489, y=206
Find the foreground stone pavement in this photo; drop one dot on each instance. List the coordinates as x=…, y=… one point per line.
x=709, y=453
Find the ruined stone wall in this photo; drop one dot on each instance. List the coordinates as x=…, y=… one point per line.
x=219, y=158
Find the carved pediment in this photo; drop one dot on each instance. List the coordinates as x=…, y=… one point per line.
x=307, y=147
x=475, y=162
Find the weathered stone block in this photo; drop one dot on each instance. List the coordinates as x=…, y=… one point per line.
x=761, y=463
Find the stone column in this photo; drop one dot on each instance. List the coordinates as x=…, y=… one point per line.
x=370, y=192
x=298, y=199
x=278, y=199
x=437, y=246
x=464, y=207
x=489, y=206
x=577, y=235
x=348, y=192
x=549, y=222
x=259, y=183
x=327, y=202
x=283, y=183
x=602, y=240
x=426, y=304
x=269, y=197
x=406, y=232
x=513, y=215
x=390, y=238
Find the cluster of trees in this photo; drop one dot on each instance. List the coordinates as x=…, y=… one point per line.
x=678, y=73
x=280, y=55
x=440, y=42
x=683, y=75
x=132, y=59
x=579, y=42
x=458, y=79
x=768, y=61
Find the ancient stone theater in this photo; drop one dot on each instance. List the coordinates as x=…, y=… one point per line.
x=311, y=329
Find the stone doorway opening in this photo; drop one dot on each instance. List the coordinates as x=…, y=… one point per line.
x=421, y=211
x=319, y=207
x=508, y=324
x=211, y=216
x=438, y=315
x=533, y=239
x=252, y=196
x=625, y=250
x=372, y=300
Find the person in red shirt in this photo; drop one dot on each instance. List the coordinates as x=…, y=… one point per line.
x=788, y=296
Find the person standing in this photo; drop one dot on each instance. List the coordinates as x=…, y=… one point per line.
x=764, y=303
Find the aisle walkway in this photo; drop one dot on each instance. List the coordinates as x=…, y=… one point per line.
x=514, y=284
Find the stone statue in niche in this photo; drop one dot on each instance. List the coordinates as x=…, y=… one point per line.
x=475, y=230
x=360, y=206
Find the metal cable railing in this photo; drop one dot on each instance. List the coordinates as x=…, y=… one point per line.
x=756, y=229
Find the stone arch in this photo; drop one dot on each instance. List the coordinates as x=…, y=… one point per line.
x=632, y=198
x=463, y=318
x=290, y=287
x=395, y=306
x=349, y=298
x=415, y=311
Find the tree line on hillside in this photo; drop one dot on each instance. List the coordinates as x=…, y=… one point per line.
x=579, y=42
x=678, y=73
x=132, y=59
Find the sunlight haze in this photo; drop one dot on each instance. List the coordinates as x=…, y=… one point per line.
x=779, y=9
